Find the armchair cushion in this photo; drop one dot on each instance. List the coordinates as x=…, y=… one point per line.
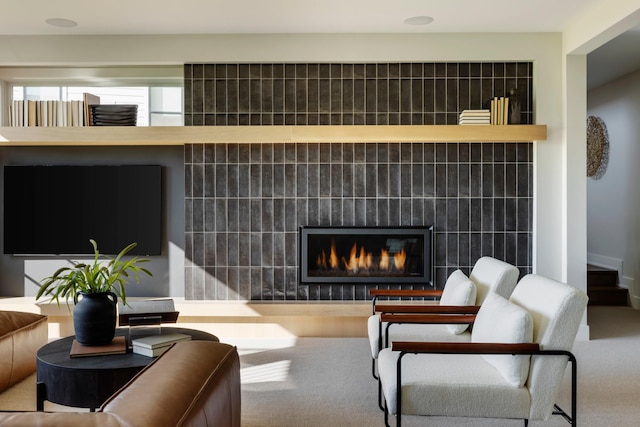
x=499, y=321
x=431, y=385
x=458, y=290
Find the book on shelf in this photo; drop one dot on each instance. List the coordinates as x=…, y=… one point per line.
x=52, y=112
x=155, y=345
x=117, y=346
x=89, y=100
x=475, y=117
x=500, y=110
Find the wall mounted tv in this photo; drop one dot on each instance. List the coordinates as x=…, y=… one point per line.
x=55, y=210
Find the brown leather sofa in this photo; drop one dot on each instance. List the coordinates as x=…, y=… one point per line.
x=195, y=384
x=21, y=335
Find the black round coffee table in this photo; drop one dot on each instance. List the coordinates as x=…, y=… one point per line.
x=86, y=382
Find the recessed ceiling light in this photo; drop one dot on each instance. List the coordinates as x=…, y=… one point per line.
x=61, y=22
x=418, y=20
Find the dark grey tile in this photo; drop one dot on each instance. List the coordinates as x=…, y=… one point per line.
x=487, y=180
x=487, y=214
x=198, y=214
x=406, y=212
x=440, y=214
x=188, y=215
x=209, y=214
x=394, y=180
x=221, y=214
x=441, y=180
x=499, y=214
x=244, y=215
x=440, y=153
x=452, y=249
x=324, y=211
x=267, y=214
x=337, y=180
x=382, y=187
x=313, y=212
x=371, y=206
x=464, y=250
x=336, y=212
x=523, y=174
x=522, y=207
x=233, y=215
x=313, y=180
x=383, y=212
x=371, y=179
x=360, y=212
x=464, y=214
x=487, y=244
x=324, y=180
x=209, y=249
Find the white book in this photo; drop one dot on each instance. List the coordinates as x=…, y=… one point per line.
x=150, y=352
x=163, y=340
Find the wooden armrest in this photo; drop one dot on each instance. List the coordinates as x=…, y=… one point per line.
x=465, y=347
x=437, y=319
x=405, y=292
x=433, y=309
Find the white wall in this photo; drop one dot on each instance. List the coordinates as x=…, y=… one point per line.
x=613, y=202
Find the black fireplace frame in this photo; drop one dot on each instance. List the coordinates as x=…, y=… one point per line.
x=428, y=250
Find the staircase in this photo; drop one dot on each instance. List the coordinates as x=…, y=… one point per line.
x=602, y=287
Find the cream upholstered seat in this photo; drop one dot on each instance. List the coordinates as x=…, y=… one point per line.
x=519, y=379
x=488, y=275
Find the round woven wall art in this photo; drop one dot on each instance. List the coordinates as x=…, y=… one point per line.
x=597, y=147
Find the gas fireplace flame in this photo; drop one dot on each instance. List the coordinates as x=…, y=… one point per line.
x=333, y=258
x=384, y=260
x=399, y=259
x=360, y=260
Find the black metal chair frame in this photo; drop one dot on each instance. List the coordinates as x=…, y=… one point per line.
x=571, y=419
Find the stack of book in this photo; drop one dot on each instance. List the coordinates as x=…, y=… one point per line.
x=475, y=117
x=155, y=345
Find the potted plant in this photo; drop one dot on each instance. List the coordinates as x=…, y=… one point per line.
x=95, y=288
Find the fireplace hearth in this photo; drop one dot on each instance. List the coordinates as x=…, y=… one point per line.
x=369, y=255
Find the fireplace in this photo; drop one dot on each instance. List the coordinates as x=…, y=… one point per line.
x=369, y=255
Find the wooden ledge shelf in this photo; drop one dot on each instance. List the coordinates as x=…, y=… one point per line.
x=181, y=135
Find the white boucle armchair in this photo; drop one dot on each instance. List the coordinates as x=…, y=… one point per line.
x=460, y=295
x=512, y=368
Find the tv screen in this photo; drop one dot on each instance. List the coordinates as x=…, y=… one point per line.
x=57, y=209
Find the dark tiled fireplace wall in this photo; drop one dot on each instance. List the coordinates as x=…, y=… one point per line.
x=245, y=202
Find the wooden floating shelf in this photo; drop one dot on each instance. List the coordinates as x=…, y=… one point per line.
x=180, y=135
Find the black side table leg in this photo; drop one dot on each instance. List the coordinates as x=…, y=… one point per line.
x=41, y=395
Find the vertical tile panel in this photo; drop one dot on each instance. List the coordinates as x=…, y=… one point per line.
x=482, y=192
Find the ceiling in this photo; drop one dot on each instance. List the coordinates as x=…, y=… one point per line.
x=27, y=17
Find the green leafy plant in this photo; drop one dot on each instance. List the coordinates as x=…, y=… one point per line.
x=103, y=275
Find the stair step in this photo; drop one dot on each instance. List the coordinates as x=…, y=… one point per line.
x=607, y=295
x=602, y=287
x=598, y=276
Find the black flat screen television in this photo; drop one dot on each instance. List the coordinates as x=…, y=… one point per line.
x=55, y=210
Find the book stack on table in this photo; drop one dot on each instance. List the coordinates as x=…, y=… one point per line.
x=155, y=345
x=475, y=117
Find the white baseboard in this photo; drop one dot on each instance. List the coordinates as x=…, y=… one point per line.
x=635, y=301
x=627, y=282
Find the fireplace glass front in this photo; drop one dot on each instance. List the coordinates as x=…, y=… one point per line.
x=375, y=255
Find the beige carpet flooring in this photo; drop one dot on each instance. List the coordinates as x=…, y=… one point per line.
x=327, y=382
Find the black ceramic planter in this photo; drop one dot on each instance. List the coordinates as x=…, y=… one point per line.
x=94, y=318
